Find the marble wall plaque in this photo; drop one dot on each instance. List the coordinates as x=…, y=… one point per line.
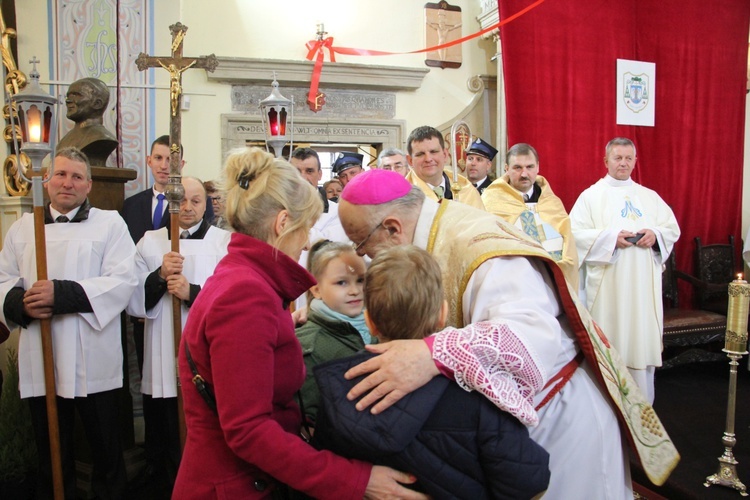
x=339, y=103
x=239, y=129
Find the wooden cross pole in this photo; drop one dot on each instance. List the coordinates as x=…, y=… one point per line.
x=176, y=64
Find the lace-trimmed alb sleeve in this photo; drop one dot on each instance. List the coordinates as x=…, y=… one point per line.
x=490, y=358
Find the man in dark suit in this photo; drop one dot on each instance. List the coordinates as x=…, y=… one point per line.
x=142, y=212
x=479, y=164
x=139, y=211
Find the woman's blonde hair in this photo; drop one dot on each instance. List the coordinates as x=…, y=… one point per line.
x=258, y=187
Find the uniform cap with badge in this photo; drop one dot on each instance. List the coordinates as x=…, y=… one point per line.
x=482, y=148
x=345, y=161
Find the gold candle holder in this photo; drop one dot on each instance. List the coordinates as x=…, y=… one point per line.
x=739, y=299
x=735, y=345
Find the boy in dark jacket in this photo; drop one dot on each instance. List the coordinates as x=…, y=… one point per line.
x=456, y=443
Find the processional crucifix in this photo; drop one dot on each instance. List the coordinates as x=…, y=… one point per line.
x=176, y=65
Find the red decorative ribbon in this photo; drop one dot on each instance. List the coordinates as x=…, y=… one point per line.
x=316, y=49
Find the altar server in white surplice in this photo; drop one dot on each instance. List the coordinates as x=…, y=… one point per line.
x=91, y=276
x=624, y=233
x=162, y=274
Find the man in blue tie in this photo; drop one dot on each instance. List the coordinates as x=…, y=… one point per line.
x=143, y=212
x=148, y=209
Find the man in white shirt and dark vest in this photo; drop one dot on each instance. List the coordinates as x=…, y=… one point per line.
x=91, y=276
x=161, y=275
x=479, y=158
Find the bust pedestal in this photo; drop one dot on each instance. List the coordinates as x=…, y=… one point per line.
x=108, y=191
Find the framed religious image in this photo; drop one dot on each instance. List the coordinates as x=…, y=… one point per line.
x=442, y=26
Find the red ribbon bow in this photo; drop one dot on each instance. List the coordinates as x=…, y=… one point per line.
x=316, y=49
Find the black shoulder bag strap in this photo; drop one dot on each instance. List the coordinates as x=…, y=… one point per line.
x=208, y=395
x=200, y=383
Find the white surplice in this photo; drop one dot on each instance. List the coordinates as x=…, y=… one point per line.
x=201, y=257
x=577, y=427
x=623, y=286
x=98, y=253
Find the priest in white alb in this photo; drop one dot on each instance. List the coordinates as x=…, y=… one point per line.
x=624, y=233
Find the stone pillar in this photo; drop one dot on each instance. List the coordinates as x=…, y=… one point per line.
x=488, y=17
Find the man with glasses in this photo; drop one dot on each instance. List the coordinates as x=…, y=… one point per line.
x=516, y=335
x=393, y=159
x=216, y=199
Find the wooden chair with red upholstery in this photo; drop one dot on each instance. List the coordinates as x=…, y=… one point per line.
x=692, y=335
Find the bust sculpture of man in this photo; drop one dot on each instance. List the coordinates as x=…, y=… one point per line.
x=86, y=101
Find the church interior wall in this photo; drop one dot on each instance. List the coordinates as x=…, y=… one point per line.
x=244, y=30
x=278, y=31
x=240, y=29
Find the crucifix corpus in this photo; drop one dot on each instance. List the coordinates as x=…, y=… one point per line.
x=176, y=64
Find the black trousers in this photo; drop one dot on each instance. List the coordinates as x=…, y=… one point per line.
x=162, y=438
x=138, y=332
x=99, y=415
x=151, y=429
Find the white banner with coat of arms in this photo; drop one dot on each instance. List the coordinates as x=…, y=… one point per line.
x=636, y=92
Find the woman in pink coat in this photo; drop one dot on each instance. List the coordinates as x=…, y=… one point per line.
x=240, y=339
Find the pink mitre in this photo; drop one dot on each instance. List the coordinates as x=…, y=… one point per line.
x=375, y=187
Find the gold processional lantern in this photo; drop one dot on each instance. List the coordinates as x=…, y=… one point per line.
x=277, y=115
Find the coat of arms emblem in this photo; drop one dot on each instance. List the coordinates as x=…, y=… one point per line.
x=636, y=92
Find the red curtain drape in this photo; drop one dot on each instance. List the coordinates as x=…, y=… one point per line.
x=560, y=71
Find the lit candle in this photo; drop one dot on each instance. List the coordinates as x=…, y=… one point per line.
x=739, y=302
x=35, y=133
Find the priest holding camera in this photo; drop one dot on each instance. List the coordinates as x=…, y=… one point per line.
x=624, y=233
